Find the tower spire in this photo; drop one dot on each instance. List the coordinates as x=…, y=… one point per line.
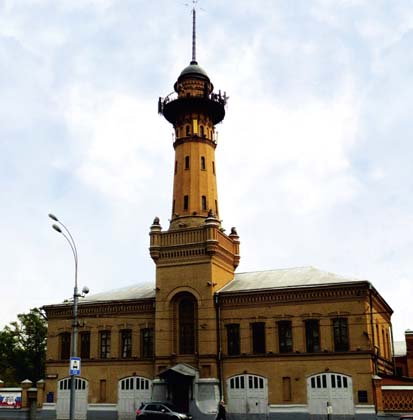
x=194, y=34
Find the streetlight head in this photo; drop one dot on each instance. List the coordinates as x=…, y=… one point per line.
x=85, y=290
x=57, y=228
x=53, y=217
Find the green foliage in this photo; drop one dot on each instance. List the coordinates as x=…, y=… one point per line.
x=23, y=348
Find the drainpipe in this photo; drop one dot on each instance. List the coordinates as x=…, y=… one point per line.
x=372, y=328
x=392, y=349
x=219, y=345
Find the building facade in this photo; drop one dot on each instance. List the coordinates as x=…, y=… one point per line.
x=273, y=344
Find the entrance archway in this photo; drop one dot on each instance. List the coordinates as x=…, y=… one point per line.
x=179, y=380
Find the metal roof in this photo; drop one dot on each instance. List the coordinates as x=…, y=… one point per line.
x=138, y=291
x=284, y=278
x=400, y=348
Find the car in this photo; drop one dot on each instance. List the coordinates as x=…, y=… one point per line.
x=161, y=410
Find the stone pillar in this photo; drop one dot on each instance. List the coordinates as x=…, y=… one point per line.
x=40, y=392
x=377, y=394
x=26, y=384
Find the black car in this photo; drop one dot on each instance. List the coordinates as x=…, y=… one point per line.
x=160, y=410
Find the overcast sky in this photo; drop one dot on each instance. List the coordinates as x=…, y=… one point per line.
x=314, y=160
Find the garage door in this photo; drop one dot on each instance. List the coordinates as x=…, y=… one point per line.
x=247, y=394
x=131, y=392
x=332, y=388
x=63, y=398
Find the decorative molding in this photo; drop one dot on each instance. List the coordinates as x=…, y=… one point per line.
x=260, y=297
x=99, y=308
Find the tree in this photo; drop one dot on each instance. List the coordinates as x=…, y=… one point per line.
x=23, y=348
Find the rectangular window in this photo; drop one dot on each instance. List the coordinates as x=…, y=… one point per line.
x=195, y=126
x=104, y=344
x=186, y=202
x=312, y=335
x=102, y=390
x=85, y=345
x=204, y=202
x=258, y=337
x=362, y=396
x=340, y=329
x=65, y=346
x=285, y=336
x=126, y=343
x=233, y=339
x=286, y=388
x=146, y=343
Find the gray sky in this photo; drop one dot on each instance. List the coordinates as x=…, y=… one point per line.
x=314, y=160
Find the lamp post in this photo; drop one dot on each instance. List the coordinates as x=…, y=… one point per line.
x=66, y=233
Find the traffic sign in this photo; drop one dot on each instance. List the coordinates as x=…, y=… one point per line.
x=74, y=366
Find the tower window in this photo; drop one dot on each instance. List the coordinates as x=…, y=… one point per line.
x=104, y=344
x=213, y=168
x=173, y=207
x=186, y=162
x=146, y=343
x=312, y=335
x=126, y=343
x=204, y=202
x=195, y=126
x=176, y=166
x=340, y=329
x=201, y=130
x=258, y=337
x=186, y=202
x=177, y=131
x=65, y=346
x=85, y=345
x=188, y=130
x=285, y=337
x=216, y=207
x=186, y=326
x=203, y=166
x=233, y=339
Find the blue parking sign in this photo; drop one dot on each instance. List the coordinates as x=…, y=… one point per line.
x=74, y=366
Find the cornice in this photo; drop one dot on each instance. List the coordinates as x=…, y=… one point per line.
x=286, y=295
x=99, y=309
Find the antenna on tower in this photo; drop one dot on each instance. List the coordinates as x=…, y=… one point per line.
x=194, y=7
x=194, y=33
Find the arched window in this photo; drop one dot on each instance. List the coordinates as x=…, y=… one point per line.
x=201, y=129
x=176, y=166
x=187, y=326
x=186, y=202
x=186, y=162
x=204, y=202
x=188, y=130
x=203, y=165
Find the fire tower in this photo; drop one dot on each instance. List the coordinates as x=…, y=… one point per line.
x=195, y=257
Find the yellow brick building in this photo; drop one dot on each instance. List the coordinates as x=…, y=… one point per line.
x=273, y=344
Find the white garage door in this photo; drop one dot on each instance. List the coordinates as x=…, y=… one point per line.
x=63, y=398
x=131, y=392
x=247, y=394
x=332, y=388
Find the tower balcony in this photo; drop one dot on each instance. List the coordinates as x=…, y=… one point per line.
x=174, y=106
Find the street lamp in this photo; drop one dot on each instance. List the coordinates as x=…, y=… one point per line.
x=66, y=233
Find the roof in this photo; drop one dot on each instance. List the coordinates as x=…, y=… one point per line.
x=138, y=291
x=253, y=281
x=285, y=278
x=194, y=70
x=400, y=348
